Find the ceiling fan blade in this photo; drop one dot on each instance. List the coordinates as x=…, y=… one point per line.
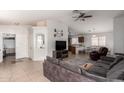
x=87, y=16
x=81, y=15
x=76, y=11
x=83, y=19
x=76, y=19
x=74, y=16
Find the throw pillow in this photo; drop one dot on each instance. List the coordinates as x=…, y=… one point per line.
x=87, y=66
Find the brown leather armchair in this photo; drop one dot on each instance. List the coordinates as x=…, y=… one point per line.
x=95, y=55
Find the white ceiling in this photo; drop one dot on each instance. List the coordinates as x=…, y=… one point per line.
x=102, y=20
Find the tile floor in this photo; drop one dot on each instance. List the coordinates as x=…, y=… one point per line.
x=26, y=70
x=23, y=70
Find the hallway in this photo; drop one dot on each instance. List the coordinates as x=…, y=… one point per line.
x=9, y=59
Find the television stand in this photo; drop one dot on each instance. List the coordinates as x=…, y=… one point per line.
x=60, y=54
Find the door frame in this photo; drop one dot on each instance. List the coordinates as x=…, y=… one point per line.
x=1, y=50
x=1, y=47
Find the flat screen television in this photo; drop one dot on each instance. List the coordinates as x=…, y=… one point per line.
x=60, y=45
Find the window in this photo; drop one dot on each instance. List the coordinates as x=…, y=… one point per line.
x=98, y=40
x=102, y=40
x=74, y=40
x=94, y=40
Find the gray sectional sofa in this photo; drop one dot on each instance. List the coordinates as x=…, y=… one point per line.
x=60, y=71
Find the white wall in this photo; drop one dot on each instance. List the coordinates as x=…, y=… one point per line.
x=51, y=39
x=30, y=42
x=119, y=34
x=109, y=39
x=21, y=38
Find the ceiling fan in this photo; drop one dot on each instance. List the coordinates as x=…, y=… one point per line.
x=80, y=15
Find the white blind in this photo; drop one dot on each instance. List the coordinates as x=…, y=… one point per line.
x=74, y=40
x=102, y=41
x=98, y=40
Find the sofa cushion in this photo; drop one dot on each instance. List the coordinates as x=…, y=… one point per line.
x=118, y=67
x=98, y=71
x=117, y=75
x=53, y=60
x=67, y=65
x=108, y=59
x=102, y=69
x=118, y=59
x=105, y=62
x=102, y=65
x=108, y=64
x=121, y=76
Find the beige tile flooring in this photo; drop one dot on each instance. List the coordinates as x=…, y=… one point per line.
x=24, y=70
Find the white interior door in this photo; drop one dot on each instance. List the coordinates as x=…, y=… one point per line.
x=40, y=46
x=39, y=43
x=1, y=48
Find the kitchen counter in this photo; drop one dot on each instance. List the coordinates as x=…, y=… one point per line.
x=78, y=48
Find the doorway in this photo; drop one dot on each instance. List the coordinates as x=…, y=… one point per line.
x=9, y=52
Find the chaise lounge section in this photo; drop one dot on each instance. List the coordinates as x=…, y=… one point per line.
x=60, y=71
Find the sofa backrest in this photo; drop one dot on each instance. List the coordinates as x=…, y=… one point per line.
x=116, y=71
x=53, y=60
x=71, y=67
x=66, y=64
x=107, y=58
x=116, y=61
